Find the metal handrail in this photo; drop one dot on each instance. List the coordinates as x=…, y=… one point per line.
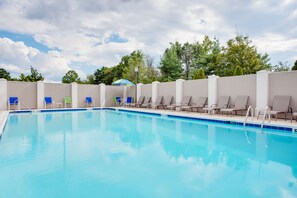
x=267, y=110
x=250, y=109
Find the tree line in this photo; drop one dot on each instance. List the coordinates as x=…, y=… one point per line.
x=187, y=61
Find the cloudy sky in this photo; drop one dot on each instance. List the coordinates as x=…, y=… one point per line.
x=55, y=36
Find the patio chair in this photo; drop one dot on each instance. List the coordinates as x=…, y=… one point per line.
x=240, y=105
x=199, y=105
x=280, y=105
x=157, y=103
x=13, y=101
x=167, y=101
x=128, y=102
x=146, y=102
x=67, y=101
x=185, y=102
x=139, y=102
x=89, y=101
x=223, y=103
x=48, y=101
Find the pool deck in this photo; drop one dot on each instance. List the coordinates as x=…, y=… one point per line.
x=232, y=118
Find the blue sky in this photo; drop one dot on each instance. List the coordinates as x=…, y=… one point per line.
x=56, y=36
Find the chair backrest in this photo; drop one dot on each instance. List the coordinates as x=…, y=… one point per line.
x=201, y=101
x=118, y=99
x=89, y=100
x=129, y=100
x=281, y=103
x=167, y=100
x=140, y=100
x=186, y=100
x=147, y=100
x=159, y=100
x=241, y=102
x=223, y=102
x=13, y=100
x=48, y=100
x=68, y=100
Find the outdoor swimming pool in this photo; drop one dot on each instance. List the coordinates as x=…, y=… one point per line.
x=118, y=154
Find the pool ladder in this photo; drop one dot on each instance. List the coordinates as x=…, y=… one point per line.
x=266, y=112
x=250, y=110
x=28, y=108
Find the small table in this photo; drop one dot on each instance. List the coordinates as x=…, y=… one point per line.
x=58, y=104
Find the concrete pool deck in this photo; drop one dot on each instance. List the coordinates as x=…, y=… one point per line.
x=233, y=118
x=3, y=118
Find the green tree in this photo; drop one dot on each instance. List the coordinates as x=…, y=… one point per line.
x=207, y=55
x=295, y=66
x=187, y=58
x=89, y=80
x=241, y=52
x=170, y=65
x=4, y=74
x=35, y=75
x=23, y=77
x=199, y=74
x=70, y=77
x=280, y=67
x=237, y=71
x=151, y=72
x=136, y=59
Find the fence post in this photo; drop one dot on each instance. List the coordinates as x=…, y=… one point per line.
x=3, y=94
x=102, y=94
x=178, y=90
x=212, y=89
x=74, y=94
x=138, y=91
x=262, y=93
x=154, y=91
x=40, y=94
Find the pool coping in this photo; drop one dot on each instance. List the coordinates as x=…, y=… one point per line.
x=3, y=119
x=291, y=128
x=174, y=114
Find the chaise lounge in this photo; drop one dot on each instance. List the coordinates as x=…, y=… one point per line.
x=240, y=105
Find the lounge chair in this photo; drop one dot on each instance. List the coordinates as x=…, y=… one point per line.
x=89, y=101
x=185, y=102
x=67, y=101
x=158, y=102
x=13, y=101
x=167, y=101
x=198, y=106
x=280, y=105
x=240, y=105
x=223, y=103
x=48, y=101
x=146, y=102
x=128, y=101
x=138, y=103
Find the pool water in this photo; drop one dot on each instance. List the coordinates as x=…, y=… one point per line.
x=118, y=154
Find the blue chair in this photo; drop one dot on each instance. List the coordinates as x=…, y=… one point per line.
x=48, y=101
x=90, y=101
x=13, y=101
x=129, y=100
x=118, y=101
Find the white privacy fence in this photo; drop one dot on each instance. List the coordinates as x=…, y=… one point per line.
x=261, y=89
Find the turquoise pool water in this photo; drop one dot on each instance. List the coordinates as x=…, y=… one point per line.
x=117, y=154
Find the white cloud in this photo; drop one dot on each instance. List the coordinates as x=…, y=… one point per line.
x=16, y=57
x=78, y=29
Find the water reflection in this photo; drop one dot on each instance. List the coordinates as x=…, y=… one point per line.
x=172, y=158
